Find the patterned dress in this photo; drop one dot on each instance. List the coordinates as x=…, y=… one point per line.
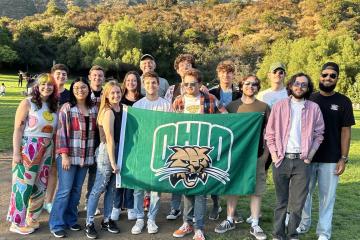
x=30, y=178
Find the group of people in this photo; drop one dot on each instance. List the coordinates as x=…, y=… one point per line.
x=62, y=135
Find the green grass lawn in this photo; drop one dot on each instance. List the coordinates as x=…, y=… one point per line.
x=346, y=213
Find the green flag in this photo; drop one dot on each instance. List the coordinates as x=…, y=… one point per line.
x=190, y=154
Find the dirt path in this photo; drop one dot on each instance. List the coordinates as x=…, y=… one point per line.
x=166, y=227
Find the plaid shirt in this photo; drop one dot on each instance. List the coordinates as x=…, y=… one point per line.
x=71, y=135
x=208, y=104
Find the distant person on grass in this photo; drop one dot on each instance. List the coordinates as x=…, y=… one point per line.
x=60, y=74
x=330, y=160
x=34, y=128
x=2, y=90
x=20, y=80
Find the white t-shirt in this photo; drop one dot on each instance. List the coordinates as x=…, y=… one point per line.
x=159, y=104
x=192, y=105
x=294, y=142
x=271, y=97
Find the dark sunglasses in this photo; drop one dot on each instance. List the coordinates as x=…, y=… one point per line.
x=191, y=84
x=281, y=72
x=332, y=75
x=300, y=84
x=253, y=84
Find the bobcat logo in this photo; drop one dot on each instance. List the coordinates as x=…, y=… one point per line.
x=189, y=164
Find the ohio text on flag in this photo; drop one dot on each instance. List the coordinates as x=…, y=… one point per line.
x=189, y=153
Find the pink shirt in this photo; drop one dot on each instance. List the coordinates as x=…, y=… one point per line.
x=278, y=129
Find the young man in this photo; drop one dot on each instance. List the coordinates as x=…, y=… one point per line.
x=329, y=161
x=148, y=64
x=277, y=90
x=293, y=134
x=196, y=102
x=151, y=101
x=60, y=73
x=96, y=79
x=226, y=93
x=249, y=87
x=182, y=63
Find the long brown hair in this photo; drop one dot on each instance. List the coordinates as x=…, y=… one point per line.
x=104, y=102
x=138, y=84
x=52, y=100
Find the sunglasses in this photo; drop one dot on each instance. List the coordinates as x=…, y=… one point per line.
x=253, y=84
x=300, y=84
x=281, y=72
x=332, y=75
x=191, y=84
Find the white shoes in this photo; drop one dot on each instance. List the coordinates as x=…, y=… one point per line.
x=152, y=227
x=138, y=227
x=115, y=214
x=322, y=237
x=131, y=214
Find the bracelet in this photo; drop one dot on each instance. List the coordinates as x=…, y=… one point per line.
x=345, y=158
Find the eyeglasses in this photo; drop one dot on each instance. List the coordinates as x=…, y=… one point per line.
x=281, y=72
x=331, y=75
x=253, y=84
x=83, y=88
x=190, y=84
x=300, y=84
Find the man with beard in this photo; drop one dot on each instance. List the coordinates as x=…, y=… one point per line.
x=249, y=87
x=293, y=134
x=329, y=161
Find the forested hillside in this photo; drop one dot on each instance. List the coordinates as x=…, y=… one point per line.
x=302, y=34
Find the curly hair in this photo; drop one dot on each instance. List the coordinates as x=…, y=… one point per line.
x=241, y=82
x=73, y=101
x=184, y=57
x=292, y=80
x=52, y=100
x=227, y=66
x=138, y=83
x=194, y=73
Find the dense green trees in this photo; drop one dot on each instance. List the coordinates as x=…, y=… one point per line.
x=303, y=34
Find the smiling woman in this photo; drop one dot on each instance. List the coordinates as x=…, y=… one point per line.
x=35, y=123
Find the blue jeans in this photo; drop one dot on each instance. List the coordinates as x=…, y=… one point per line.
x=124, y=198
x=91, y=180
x=139, y=204
x=323, y=175
x=195, y=206
x=104, y=182
x=175, y=201
x=64, y=213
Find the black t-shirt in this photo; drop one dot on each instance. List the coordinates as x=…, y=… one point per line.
x=64, y=97
x=337, y=113
x=127, y=102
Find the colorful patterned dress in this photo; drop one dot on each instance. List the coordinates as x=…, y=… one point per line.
x=30, y=178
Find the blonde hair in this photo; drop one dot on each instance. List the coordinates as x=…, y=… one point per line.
x=104, y=102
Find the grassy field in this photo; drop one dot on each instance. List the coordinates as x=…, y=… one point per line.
x=346, y=213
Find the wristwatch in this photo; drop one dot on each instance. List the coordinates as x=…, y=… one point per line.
x=345, y=158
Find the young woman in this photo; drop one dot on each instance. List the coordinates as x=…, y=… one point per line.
x=124, y=198
x=131, y=88
x=35, y=124
x=75, y=152
x=109, y=122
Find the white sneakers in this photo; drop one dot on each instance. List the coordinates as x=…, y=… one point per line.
x=152, y=227
x=138, y=227
x=140, y=224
